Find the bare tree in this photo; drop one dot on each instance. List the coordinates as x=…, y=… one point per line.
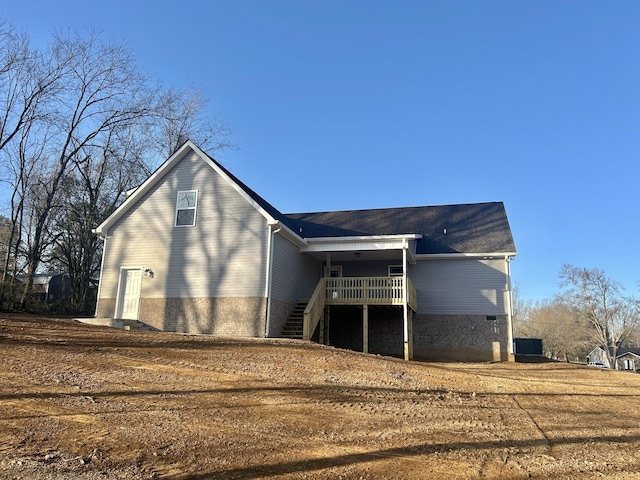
x=92, y=191
x=181, y=117
x=100, y=92
x=599, y=300
x=562, y=330
x=79, y=126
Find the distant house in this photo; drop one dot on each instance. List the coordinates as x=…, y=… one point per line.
x=49, y=287
x=629, y=359
x=626, y=359
x=598, y=357
x=195, y=250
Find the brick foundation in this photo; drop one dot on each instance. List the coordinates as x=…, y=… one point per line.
x=280, y=312
x=231, y=316
x=476, y=338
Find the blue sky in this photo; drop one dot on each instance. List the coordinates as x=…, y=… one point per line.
x=367, y=104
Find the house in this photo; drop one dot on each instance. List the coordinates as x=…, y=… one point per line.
x=629, y=359
x=598, y=357
x=49, y=287
x=195, y=250
x=626, y=358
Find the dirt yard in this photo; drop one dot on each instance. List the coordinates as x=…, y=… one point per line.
x=84, y=402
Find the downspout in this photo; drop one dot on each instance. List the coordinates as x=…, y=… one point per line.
x=269, y=278
x=511, y=351
x=104, y=254
x=405, y=310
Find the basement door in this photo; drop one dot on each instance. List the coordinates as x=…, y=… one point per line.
x=129, y=294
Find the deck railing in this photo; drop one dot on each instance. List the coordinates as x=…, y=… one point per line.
x=356, y=291
x=314, y=311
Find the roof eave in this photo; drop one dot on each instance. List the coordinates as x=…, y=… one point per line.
x=480, y=255
x=365, y=238
x=102, y=229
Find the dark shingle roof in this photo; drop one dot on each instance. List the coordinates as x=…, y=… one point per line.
x=270, y=209
x=470, y=228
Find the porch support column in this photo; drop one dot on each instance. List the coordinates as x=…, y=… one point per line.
x=327, y=265
x=324, y=323
x=365, y=329
x=327, y=316
x=408, y=348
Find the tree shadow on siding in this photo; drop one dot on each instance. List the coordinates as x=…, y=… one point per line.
x=210, y=253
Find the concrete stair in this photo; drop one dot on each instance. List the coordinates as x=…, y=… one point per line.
x=118, y=323
x=294, y=327
x=137, y=325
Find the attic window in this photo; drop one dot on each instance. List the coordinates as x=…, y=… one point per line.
x=186, y=208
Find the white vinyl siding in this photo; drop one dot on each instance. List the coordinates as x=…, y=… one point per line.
x=295, y=275
x=378, y=268
x=460, y=286
x=223, y=255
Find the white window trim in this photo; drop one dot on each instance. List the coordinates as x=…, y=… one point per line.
x=337, y=269
x=390, y=267
x=194, y=208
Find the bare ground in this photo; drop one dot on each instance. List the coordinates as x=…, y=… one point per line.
x=86, y=402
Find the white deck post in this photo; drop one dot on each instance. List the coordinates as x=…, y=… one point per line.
x=365, y=328
x=408, y=353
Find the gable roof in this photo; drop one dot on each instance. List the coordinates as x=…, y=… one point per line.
x=260, y=204
x=466, y=228
x=629, y=351
x=266, y=206
x=478, y=228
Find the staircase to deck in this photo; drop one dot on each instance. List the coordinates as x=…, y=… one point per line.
x=294, y=327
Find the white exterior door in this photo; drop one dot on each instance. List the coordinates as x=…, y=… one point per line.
x=129, y=293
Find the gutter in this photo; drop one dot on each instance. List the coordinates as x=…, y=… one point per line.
x=104, y=251
x=273, y=229
x=482, y=256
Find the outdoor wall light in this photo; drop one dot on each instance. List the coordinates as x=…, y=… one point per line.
x=148, y=273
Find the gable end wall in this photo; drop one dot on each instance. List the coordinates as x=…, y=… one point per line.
x=223, y=256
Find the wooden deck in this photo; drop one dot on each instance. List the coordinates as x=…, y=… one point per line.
x=356, y=291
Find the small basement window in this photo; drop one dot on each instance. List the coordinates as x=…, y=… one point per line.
x=186, y=208
x=395, y=270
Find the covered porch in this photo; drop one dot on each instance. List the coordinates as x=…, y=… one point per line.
x=395, y=291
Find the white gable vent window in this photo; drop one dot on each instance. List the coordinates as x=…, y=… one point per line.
x=186, y=208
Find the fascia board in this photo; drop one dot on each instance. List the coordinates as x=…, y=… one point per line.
x=371, y=242
x=364, y=238
x=161, y=171
x=347, y=247
x=441, y=256
x=627, y=353
x=288, y=233
x=233, y=184
x=131, y=199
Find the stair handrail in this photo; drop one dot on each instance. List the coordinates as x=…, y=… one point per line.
x=314, y=310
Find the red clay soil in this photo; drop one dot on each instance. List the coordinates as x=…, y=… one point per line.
x=85, y=402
